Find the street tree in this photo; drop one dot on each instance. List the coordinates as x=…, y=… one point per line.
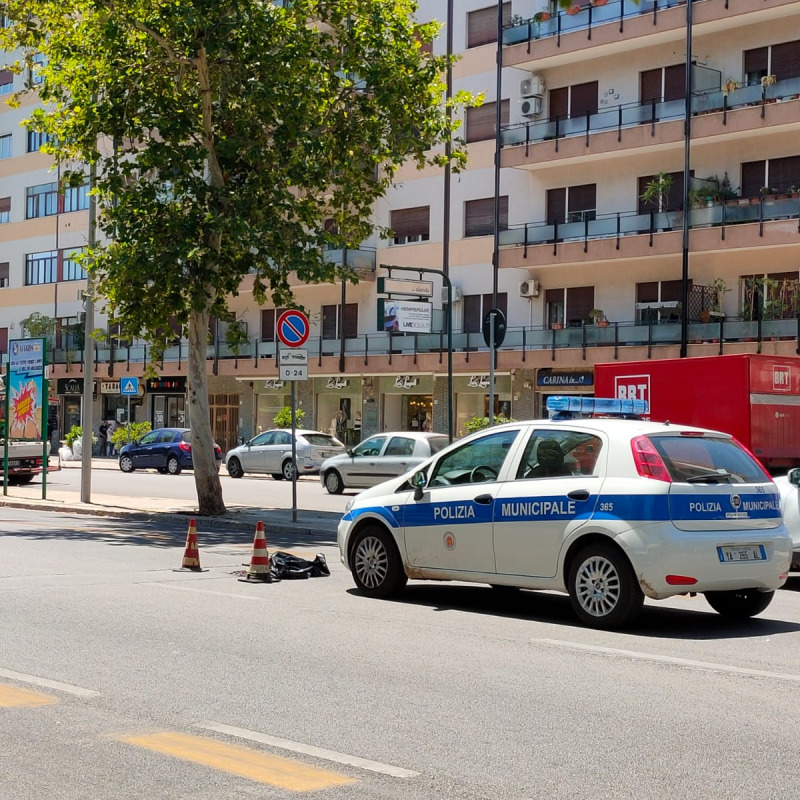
x=231, y=139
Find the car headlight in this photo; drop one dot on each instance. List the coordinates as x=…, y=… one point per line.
x=349, y=504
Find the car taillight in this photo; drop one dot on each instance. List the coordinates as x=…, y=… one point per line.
x=648, y=462
x=217, y=449
x=753, y=456
x=185, y=446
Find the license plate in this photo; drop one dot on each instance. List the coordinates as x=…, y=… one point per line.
x=742, y=552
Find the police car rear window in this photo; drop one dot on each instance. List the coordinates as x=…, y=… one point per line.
x=707, y=459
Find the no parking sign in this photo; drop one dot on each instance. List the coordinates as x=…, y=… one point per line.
x=292, y=328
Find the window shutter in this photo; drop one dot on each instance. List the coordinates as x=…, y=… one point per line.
x=330, y=319
x=556, y=206
x=756, y=60
x=580, y=301
x=754, y=178
x=559, y=103
x=482, y=25
x=786, y=60
x=502, y=304
x=350, y=326
x=4, y=267
x=583, y=99
x=675, y=82
x=3, y=340
x=411, y=223
x=267, y=324
x=6, y=77
x=472, y=313
x=672, y=291
x=650, y=85
x=5, y=205
x=479, y=216
x=647, y=292
x=480, y=121
x=582, y=198
x=783, y=173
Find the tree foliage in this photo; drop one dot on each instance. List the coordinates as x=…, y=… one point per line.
x=229, y=138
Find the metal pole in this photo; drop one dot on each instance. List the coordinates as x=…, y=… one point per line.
x=294, y=456
x=341, y=318
x=492, y=318
x=45, y=415
x=498, y=121
x=687, y=138
x=88, y=357
x=448, y=145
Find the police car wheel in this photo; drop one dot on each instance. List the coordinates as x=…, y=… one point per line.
x=375, y=563
x=603, y=588
x=740, y=603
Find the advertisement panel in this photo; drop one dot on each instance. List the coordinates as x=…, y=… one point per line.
x=406, y=316
x=25, y=388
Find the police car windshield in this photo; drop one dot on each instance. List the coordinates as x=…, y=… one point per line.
x=692, y=459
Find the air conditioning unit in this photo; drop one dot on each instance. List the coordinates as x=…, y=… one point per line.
x=529, y=288
x=531, y=106
x=456, y=294
x=532, y=87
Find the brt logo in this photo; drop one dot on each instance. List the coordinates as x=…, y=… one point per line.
x=632, y=387
x=781, y=378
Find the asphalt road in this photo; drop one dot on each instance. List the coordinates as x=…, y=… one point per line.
x=121, y=678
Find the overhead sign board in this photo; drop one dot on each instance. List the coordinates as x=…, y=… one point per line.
x=290, y=372
x=292, y=328
x=26, y=357
x=407, y=316
x=293, y=358
x=405, y=286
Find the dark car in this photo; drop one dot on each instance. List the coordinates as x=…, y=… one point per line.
x=169, y=450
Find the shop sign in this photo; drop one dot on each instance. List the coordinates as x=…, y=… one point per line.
x=69, y=386
x=175, y=385
x=337, y=383
x=109, y=387
x=555, y=377
x=405, y=382
x=478, y=382
x=273, y=384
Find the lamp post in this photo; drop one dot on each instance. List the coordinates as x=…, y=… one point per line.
x=687, y=138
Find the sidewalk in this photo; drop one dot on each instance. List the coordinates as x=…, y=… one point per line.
x=278, y=520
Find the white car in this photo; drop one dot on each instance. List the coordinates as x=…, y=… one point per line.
x=789, y=487
x=609, y=510
x=271, y=452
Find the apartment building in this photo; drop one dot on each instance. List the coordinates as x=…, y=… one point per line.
x=591, y=262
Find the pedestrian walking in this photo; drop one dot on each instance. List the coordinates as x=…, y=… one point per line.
x=102, y=432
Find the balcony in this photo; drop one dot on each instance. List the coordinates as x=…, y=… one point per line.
x=647, y=119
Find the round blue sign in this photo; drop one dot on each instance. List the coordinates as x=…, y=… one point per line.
x=293, y=328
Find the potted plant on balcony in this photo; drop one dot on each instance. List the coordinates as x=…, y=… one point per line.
x=573, y=10
x=541, y=16
x=729, y=86
x=598, y=317
x=656, y=190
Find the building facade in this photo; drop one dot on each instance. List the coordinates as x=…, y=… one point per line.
x=589, y=262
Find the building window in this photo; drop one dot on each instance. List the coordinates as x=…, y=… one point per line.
x=6, y=81
x=71, y=270
x=3, y=340
x=659, y=301
x=672, y=199
x=479, y=216
x=5, y=209
x=36, y=77
x=4, y=267
x=482, y=25
x=70, y=333
x=781, y=60
x=5, y=146
x=36, y=139
x=76, y=198
x=41, y=201
x=332, y=321
x=571, y=204
x=569, y=307
x=573, y=101
x=775, y=295
x=53, y=266
x=775, y=174
x=411, y=225
x=663, y=83
x=269, y=316
x=480, y=121
x=477, y=306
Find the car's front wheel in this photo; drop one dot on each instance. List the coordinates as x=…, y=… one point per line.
x=126, y=463
x=375, y=563
x=740, y=603
x=235, y=468
x=603, y=589
x=333, y=482
x=173, y=466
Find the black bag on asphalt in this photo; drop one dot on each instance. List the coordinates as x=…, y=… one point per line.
x=287, y=566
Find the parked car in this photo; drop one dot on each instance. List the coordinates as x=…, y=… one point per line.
x=378, y=458
x=789, y=487
x=169, y=450
x=271, y=453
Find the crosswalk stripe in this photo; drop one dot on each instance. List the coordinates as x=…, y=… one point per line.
x=262, y=767
x=78, y=691
x=14, y=697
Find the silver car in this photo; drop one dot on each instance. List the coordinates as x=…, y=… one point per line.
x=379, y=458
x=271, y=452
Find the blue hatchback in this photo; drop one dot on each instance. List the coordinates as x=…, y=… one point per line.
x=169, y=450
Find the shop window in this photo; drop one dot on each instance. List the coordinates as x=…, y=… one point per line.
x=480, y=121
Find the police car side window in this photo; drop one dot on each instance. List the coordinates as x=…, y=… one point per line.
x=559, y=453
x=478, y=461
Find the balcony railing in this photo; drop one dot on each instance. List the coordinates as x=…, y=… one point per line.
x=632, y=223
x=586, y=19
x=634, y=114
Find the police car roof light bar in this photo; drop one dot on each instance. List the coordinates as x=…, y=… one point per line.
x=569, y=407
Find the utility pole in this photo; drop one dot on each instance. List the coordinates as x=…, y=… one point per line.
x=88, y=356
x=687, y=139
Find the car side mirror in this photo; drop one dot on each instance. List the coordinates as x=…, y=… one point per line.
x=794, y=476
x=419, y=481
x=351, y=452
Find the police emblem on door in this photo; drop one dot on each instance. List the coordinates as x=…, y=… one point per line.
x=449, y=541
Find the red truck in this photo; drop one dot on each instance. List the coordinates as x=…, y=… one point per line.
x=756, y=398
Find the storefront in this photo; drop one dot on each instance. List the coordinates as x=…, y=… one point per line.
x=551, y=382
x=115, y=406
x=407, y=403
x=472, y=397
x=338, y=408
x=168, y=402
x=271, y=397
x=70, y=396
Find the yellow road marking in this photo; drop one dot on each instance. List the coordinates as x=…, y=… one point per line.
x=14, y=697
x=274, y=770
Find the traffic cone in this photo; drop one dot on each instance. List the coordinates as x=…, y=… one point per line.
x=259, y=563
x=191, y=555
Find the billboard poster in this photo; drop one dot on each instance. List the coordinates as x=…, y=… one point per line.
x=406, y=316
x=25, y=388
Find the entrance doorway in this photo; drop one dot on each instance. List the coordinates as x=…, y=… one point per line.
x=169, y=411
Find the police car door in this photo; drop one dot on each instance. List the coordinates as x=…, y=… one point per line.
x=553, y=492
x=450, y=527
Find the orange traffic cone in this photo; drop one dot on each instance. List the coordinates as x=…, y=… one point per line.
x=259, y=563
x=191, y=555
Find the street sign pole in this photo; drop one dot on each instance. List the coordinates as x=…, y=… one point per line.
x=294, y=453
x=491, y=367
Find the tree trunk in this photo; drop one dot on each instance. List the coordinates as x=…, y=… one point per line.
x=206, y=477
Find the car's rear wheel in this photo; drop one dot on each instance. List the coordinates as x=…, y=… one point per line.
x=375, y=563
x=162, y=470
x=126, y=463
x=235, y=468
x=19, y=480
x=287, y=470
x=173, y=466
x=603, y=588
x=333, y=482
x=277, y=476
x=740, y=603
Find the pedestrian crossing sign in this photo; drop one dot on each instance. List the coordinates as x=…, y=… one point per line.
x=129, y=386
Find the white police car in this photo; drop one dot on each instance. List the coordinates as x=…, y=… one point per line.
x=789, y=487
x=609, y=510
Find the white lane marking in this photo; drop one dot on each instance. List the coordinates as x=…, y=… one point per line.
x=310, y=750
x=177, y=588
x=680, y=662
x=78, y=691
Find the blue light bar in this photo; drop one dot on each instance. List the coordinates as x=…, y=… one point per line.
x=596, y=405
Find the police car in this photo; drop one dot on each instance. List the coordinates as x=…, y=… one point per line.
x=594, y=501
x=789, y=487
